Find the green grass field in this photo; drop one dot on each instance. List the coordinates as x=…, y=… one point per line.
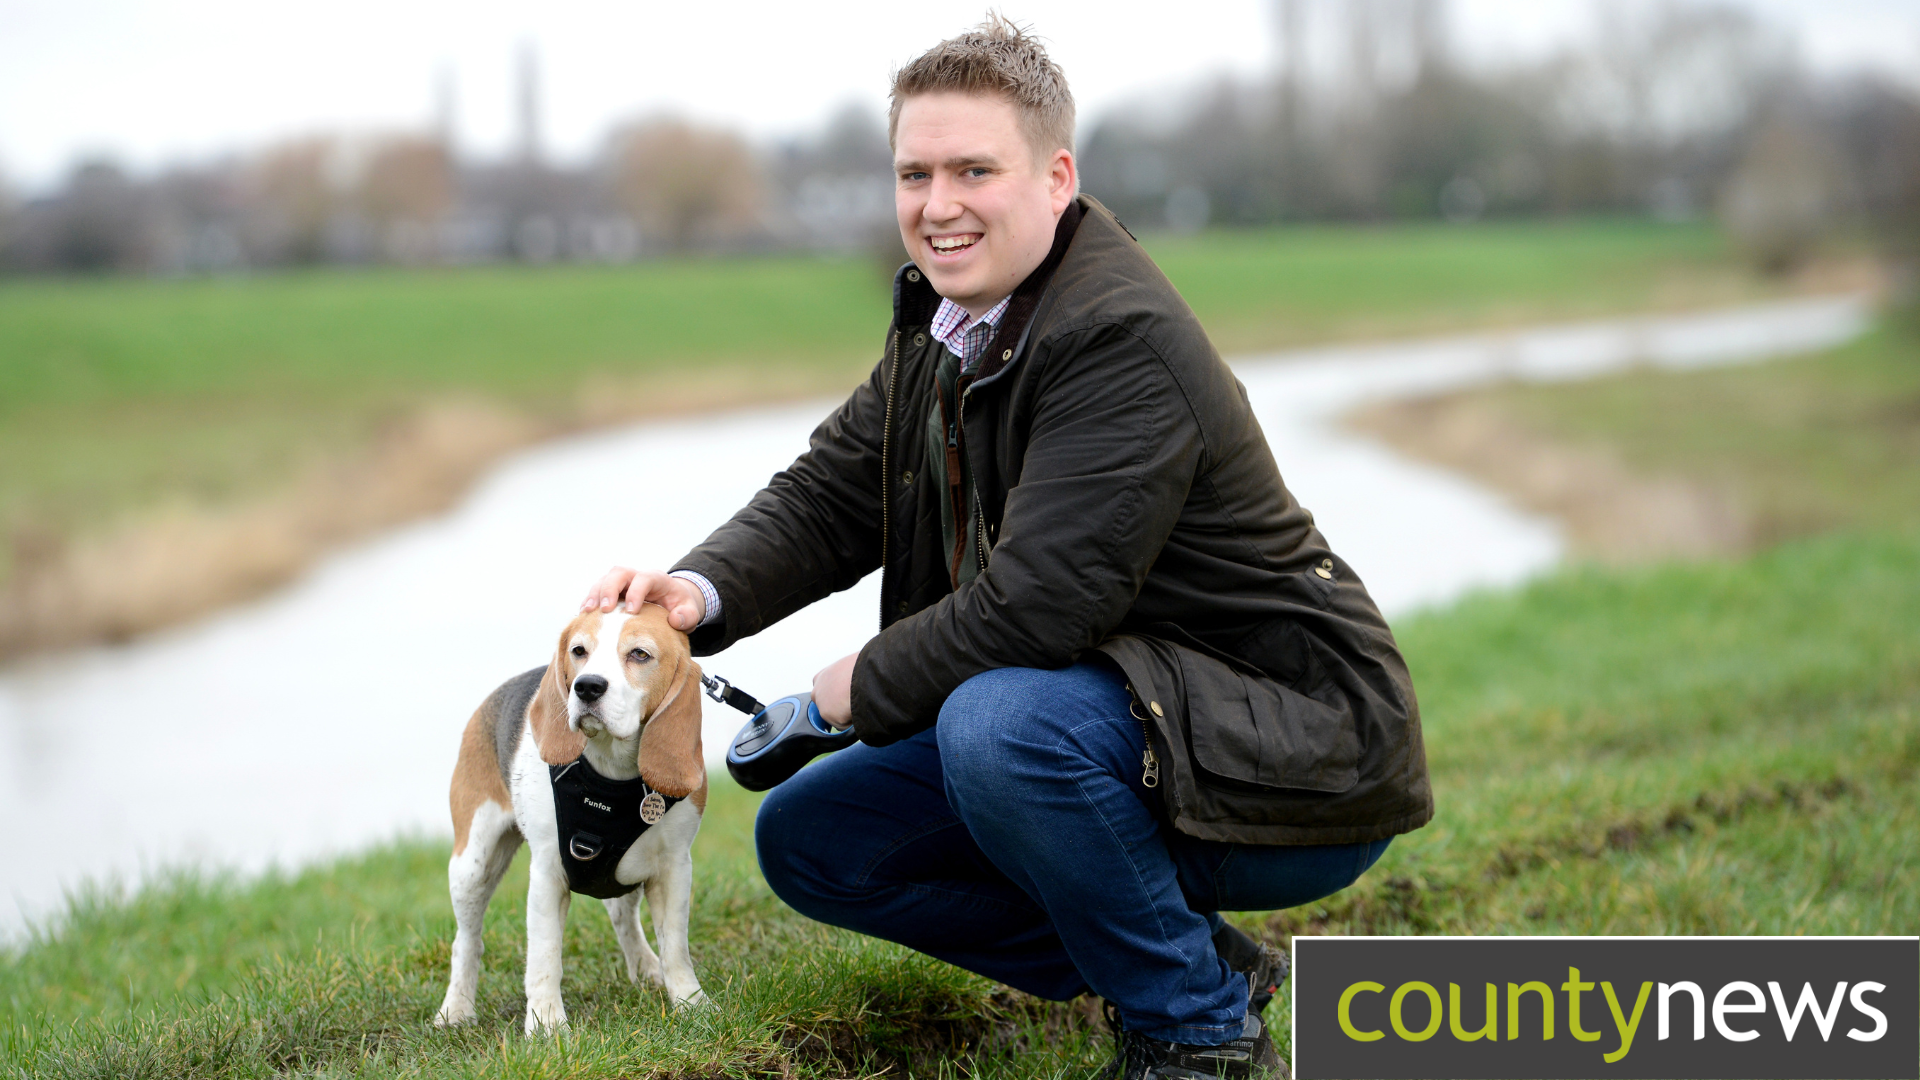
x=118, y=395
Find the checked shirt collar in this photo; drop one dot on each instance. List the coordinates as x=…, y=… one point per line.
x=962, y=334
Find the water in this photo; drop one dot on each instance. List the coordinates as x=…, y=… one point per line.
x=326, y=716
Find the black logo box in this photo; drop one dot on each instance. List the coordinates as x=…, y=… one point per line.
x=1326, y=968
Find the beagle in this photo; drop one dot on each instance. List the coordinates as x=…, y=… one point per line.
x=603, y=745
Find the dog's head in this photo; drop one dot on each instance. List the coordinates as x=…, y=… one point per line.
x=624, y=675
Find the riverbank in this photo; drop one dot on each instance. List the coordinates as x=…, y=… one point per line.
x=1649, y=465
x=183, y=559
x=168, y=449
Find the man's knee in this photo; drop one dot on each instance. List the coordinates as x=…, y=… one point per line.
x=983, y=720
x=974, y=714
x=1011, y=723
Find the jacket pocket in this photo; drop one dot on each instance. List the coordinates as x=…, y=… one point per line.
x=1280, y=648
x=1251, y=730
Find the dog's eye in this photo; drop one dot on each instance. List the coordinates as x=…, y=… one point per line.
x=579, y=650
x=639, y=656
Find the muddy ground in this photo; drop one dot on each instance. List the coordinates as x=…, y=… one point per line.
x=1610, y=513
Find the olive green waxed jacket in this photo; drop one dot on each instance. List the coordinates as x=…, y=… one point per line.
x=1131, y=512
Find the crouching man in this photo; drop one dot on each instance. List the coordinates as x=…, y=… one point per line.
x=1122, y=683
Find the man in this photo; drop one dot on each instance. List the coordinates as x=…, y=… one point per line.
x=1121, y=682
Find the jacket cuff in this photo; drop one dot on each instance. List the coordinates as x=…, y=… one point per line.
x=868, y=712
x=709, y=596
x=738, y=616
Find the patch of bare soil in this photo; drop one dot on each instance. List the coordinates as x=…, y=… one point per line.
x=898, y=1037
x=1610, y=513
x=180, y=562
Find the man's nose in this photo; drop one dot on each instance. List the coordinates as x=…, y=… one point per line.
x=588, y=688
x=941, y=205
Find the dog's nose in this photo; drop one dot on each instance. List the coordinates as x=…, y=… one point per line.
x=588, y=688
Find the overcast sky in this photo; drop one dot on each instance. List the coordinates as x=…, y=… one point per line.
x=150, y=82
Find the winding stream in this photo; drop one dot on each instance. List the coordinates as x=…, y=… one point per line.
x=326, y=716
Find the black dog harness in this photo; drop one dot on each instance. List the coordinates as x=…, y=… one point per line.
x=599, y=820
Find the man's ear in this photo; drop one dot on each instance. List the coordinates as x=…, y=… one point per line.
x=1063, y=180
x=670, y=758
x=547, y=714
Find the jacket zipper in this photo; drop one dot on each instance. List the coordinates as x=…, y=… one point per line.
x=980, y=524
x=956, y=500
x=886, y=472
x=979, y=507
x=1149, y=765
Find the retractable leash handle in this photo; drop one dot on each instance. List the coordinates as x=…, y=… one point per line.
x=779, y=739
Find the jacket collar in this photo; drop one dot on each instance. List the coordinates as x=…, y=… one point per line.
x=914, y=300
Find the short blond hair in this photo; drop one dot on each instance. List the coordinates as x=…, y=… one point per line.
x=1001, y=58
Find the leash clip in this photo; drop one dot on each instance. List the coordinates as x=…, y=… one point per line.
x=728, y=694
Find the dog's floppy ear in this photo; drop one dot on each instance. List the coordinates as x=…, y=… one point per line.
x=670, y=757
x=558, y=743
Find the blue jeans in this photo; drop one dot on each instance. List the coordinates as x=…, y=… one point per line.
x=1015, y=839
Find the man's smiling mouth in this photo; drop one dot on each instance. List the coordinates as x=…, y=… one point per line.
x=947, y=245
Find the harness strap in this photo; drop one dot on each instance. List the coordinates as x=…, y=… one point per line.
x=598, y=820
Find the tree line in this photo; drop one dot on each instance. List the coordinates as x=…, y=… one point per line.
x=1675, y=111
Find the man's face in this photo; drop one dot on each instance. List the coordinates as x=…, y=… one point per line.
x=976, y=208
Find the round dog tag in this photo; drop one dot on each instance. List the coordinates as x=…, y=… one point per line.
x=653, y=807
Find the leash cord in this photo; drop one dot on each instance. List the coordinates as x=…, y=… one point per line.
x=728, y=694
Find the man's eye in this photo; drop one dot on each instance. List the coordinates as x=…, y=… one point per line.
x=912, y=176
x=977, y=172
x=639, y=656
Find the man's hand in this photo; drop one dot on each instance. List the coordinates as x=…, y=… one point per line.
x=685, y=606
x=833, y=692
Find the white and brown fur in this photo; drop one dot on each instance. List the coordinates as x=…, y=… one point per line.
x=647, y=723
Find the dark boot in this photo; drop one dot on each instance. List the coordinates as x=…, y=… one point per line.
x=1264, y=966
x=1252, y=1056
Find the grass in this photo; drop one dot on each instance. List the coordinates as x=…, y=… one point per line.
x=1263, y=289
x=117, y=395
x=1709, y=748
x=328, y=971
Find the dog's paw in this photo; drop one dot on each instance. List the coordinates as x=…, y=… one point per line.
x=546, y=1018
x=453, y=1013
x=696, y=1000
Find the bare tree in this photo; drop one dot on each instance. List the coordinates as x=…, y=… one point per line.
x=291, y=197
x=686, y=185
x=9, y=219
x=408, y=188
x=1780, y=200
x=97, y=224
x=1877, y=125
